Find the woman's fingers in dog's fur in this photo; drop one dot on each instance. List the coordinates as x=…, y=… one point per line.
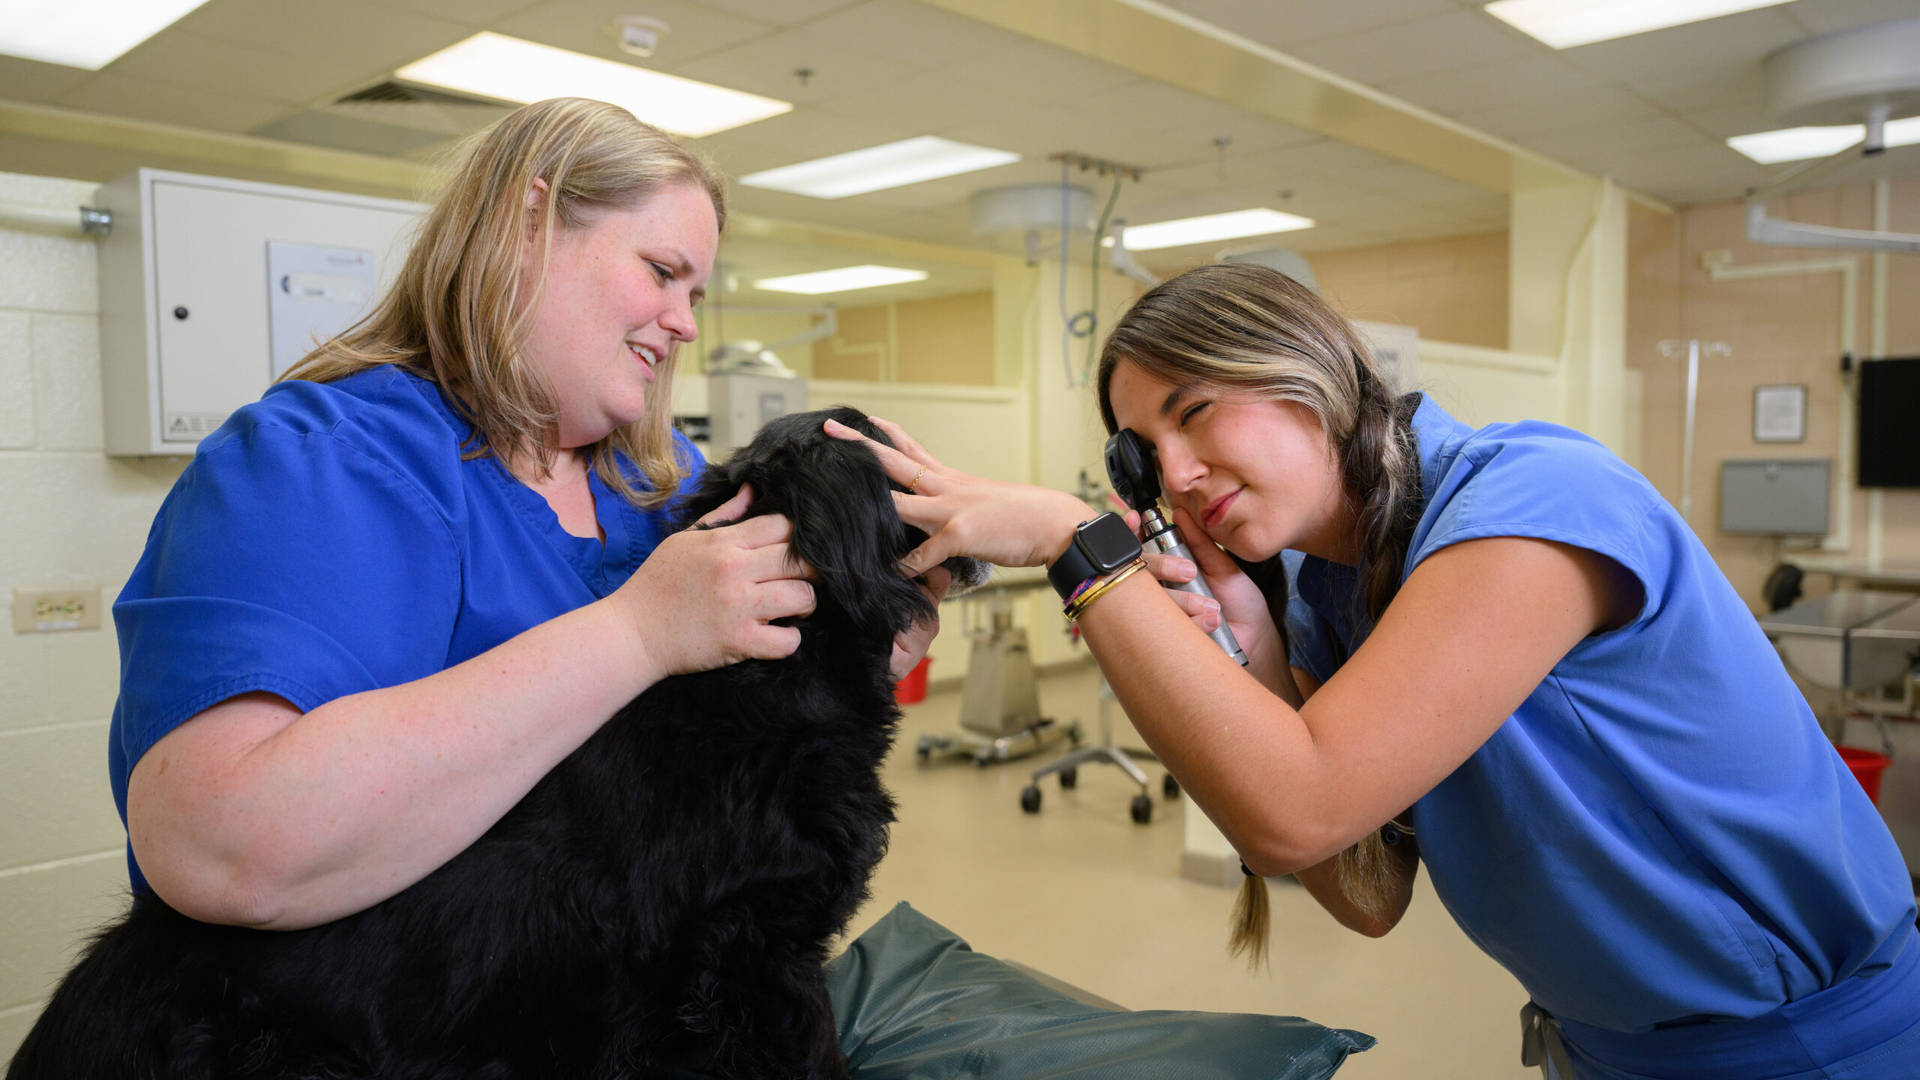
x=732, y=508
x=901, y=467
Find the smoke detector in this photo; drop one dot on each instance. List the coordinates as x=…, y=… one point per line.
x=639, y=35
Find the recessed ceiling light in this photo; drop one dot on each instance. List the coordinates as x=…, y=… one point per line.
x=1801, y=143
x=1201, y=230
x=895, y=164
x=86, y=34
x=845, y=279
x=511, y=69
x=1566, y=23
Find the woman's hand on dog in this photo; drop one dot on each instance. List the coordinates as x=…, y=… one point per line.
x=909, y=648
x=707, y=597
x=1004, y=523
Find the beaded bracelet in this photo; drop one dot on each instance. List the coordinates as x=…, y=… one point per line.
x=1084, y=599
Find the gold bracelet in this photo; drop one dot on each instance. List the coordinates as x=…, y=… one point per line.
x=1086, y=599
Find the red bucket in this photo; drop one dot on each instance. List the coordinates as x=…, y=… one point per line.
x=1867, y=765
x=914, y=687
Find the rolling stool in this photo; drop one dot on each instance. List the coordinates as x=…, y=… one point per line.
x=1068, y=766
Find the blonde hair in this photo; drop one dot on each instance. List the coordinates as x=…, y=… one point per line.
x=1249, y=329
x=457, y=311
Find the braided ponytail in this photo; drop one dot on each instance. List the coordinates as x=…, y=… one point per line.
x=1252, y=330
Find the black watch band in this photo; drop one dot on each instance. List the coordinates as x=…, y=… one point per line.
x=1099, y=547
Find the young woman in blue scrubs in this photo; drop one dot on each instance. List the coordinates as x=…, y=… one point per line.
x=387, y=598
x=1503, y=650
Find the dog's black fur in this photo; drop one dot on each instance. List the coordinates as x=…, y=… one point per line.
x=667, y=894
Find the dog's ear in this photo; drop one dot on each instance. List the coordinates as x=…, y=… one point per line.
x=839, y=500
x=846, y=528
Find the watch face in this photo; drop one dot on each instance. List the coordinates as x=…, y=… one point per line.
x=1108, y=542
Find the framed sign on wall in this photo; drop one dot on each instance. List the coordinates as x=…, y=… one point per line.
x=1780, y=413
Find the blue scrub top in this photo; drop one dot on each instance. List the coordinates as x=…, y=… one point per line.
x=330, y=539
x=1660, y=834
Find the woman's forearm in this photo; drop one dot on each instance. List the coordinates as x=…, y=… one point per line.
x=252, y=813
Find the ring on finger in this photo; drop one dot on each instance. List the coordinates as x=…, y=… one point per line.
x=913, y=484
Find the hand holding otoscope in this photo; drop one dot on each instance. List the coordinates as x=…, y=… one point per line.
x=1136, y=479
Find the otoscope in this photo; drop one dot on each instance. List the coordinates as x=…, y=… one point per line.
x=1136, y=478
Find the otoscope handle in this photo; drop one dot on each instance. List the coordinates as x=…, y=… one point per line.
x=1162, y=537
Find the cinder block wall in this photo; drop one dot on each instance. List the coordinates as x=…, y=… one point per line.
x=68, y=514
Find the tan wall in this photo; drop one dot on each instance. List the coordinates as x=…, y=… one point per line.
x=1778, y=330
x=1453, y=289
x=947, y=339
x=72, y=516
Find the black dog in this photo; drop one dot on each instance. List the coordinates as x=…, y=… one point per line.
x=663, y=899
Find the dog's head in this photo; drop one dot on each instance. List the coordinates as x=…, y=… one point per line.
x=844, y=524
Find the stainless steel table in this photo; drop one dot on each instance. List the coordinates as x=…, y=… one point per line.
x=1817, y=637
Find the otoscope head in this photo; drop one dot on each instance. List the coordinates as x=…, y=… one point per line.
x=1133, y=470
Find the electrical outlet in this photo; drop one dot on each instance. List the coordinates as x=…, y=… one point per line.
x=40, y=609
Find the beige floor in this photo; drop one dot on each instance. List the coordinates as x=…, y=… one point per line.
x=1082, y=893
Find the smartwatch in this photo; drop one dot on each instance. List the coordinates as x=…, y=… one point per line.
x=1099, y=547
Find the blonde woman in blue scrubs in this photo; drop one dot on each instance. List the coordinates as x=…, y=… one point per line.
x=1502, y=651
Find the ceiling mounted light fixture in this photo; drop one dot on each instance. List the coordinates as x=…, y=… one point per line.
x=1212, y=227
x=1564, y=24
x=876, y=168
x=1801, y=143
x=87, y=34
x=511, y=69
x=845, y=279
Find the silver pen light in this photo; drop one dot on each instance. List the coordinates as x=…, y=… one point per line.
x=1136, y=479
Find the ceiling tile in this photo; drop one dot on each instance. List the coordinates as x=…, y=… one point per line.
x=1033, y=71
x=362, y=36
x=1690, y=174
x=1153, y=106
x=31, y=80
x=1525, y=118
x=1723, y=121
x=1281, y=24
x=1699, y=88
x=223, y=67
x=805, y=134
x=349, y=133
x=913, y=33
x=1460, y=39
x=1613, y=142
x=476, y=13
x=739, y=156
x=586, y=26
x=779, y=12
x=1489, y=86
x=144, y=99
x=926, y=103
x=769, y=65
x=1720, y=47
x=1827, y=16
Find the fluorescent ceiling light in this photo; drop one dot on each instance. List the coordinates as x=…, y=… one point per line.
x=845, y=279
x=510, y=69
x=1566, y=23
x=86, y=34
x=1800, y=143
x=1201, y=230
x=897, y=164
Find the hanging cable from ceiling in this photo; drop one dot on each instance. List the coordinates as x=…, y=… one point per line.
x=1085, y=323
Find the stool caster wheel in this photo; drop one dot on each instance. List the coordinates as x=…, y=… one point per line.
x=1142, y=809
x=1170, y=787
x=1069, y=777
x=1030, y=799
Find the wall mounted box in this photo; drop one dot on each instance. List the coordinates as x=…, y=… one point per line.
x=210, y=288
